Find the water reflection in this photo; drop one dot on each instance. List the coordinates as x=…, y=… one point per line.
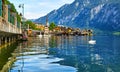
x=35, y=54
x=85, y=57
x=68, y=54
x=6, y=57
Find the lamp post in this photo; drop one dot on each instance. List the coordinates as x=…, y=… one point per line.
x=22, y=6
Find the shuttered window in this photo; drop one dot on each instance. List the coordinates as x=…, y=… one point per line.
x=0, y=7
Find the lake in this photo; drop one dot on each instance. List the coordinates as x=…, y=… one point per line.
x=64, y=54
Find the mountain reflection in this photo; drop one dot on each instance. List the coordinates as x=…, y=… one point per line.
x=63, y=53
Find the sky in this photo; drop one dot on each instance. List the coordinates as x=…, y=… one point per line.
x=34, y=9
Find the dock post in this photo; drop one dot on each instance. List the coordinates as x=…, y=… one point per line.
x=9, y=39
x=5, y=40
x=12, y=38
x=0, y=41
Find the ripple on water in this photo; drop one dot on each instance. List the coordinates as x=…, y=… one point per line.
x=42, y=63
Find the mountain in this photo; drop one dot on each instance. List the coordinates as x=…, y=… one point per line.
x=96, y=14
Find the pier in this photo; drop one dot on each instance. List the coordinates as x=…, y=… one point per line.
x=10, y=27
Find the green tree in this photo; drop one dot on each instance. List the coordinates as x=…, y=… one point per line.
x=7, y=2
x=12, y=9
x=52, y=26
x=31, y=24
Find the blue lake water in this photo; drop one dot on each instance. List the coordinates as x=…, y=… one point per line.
x=68, y=54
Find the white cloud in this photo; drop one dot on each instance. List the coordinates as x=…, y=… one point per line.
x=38, y=8
x=66, y=1
x=30, y=15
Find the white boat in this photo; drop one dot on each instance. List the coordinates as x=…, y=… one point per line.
x=40, y=35
x=92, y=41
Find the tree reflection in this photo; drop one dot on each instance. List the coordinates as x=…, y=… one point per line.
x=5, y=53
